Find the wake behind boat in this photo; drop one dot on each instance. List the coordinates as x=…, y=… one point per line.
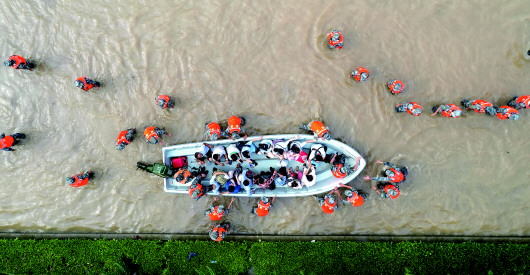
x=325, y=180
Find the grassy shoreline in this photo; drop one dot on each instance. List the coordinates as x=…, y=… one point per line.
x=82, y=256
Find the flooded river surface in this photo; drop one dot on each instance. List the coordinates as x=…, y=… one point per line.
x=266, y=61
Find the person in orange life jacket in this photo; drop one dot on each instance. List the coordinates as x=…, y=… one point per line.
x=20, y=63
x=218, y=153
x=218, y=232
x=213, y=131
x=124, y=138
x=352, y=196
x=80, y=179
x=183, y=176
x=412, y=108
x=85, y=83
x=216, y=213
x=393, y=175
x=204, y=154
x=234, y=129
x=387, y=190
x=164, y=102
x=154, y=134
x=335, y=40
x=196, y=190
x=507, y=112
x=263, y=207
x=396, y=86
x=447, y=110
x=520, y=102
x=360, y=74
x=329, y=204
x=479, y=106
x=338, y=168
x=6, y=142
x=318, y=128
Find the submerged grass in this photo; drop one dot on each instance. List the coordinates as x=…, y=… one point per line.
x=81, y=256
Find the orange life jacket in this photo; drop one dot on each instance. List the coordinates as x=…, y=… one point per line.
x=6, y=142
x=166, y=100
x=357, y=73
x=524, y=99
x=263, y=208
x=214, y=215
x=355, y=199
x=327, y=207
x=214, y=128
x=509, y=112
x=414, y=107
x=18, y=60
x=335, y=44
x=396, y=86
x=150, y=132
x=393, y=187
x=121, y=138
x=452, y=108
x=318, y=128
x=199, y=187
x=234, y=124
x=79, y=182
x=220, y=233
x=483, y=104
x=185, y=174
x=397, y=177
x=86, y=86
x=337, y=172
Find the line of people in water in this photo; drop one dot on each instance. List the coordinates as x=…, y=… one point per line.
x=503, y=112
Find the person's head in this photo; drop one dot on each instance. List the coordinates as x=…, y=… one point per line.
x=161, y=103
x=330, y=198
x=444, y=107
x=216, y=157
x=294, y=183
x=70, y=180
x=417, y=111
x=456, y=113
x=364, y=76
x=278, y=151
x=214, y=136
x=263, y=146
x=9, y=63
x=336, y=36
x=235, y=135
x=231, y=188
x=389, y=173
x=214, y=235
x=246, y=182
x=120, y=146
x=514, y=117
x=234, y=157
x=264, y=199
x=326, y=136
x=282, y=171
x=348, y=193
x=78, y=84
x=153, y=140
x=319, y=157
x=393, y=192
x=199, y=156
x=295, y=149
x=195, y=193
x=180, y=177
x=309, y=177
x=220, y=209
x=246, y=154
x=520, y=105
x=261, y=180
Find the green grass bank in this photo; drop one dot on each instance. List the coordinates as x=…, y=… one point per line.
x=127, y=256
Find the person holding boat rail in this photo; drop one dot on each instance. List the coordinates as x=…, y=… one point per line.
x=328, y=203
x=263, y=207
x=352, y=196
x=234, y=129
x=213, y=130
x=387, y=190
x=338, y=168
x=196, y=190
x=318, y=128
x=393, y=175
x=216, y=213
x=218, y=232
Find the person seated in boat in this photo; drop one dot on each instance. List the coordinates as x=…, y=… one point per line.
x=218, y=232
x=247, y=148
x=318, y=154
x=154, y=134
x=329, y=204
x=213, y=131
x=295, y=151
x=80, y=179
x=520, y=102
x=203, y=155
x=218, y=153
x=447, y=110
x=265, y=148
x=318, y=129
x=309, y=175
x=338, y=168
x=245, y=179
x=394, y=174
x=281, y=177
x=85, y=83
x=124, y=138
x=184, y=176
x=234, y=129
x=263, y=207
x=479, y=106
x=352, y=196
x=196, y=190
x=233, y=153
x=219, y=179
x=293, y=179
x=6, y=142
x=387, y=190
x=265, y=179
x=20, y=63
